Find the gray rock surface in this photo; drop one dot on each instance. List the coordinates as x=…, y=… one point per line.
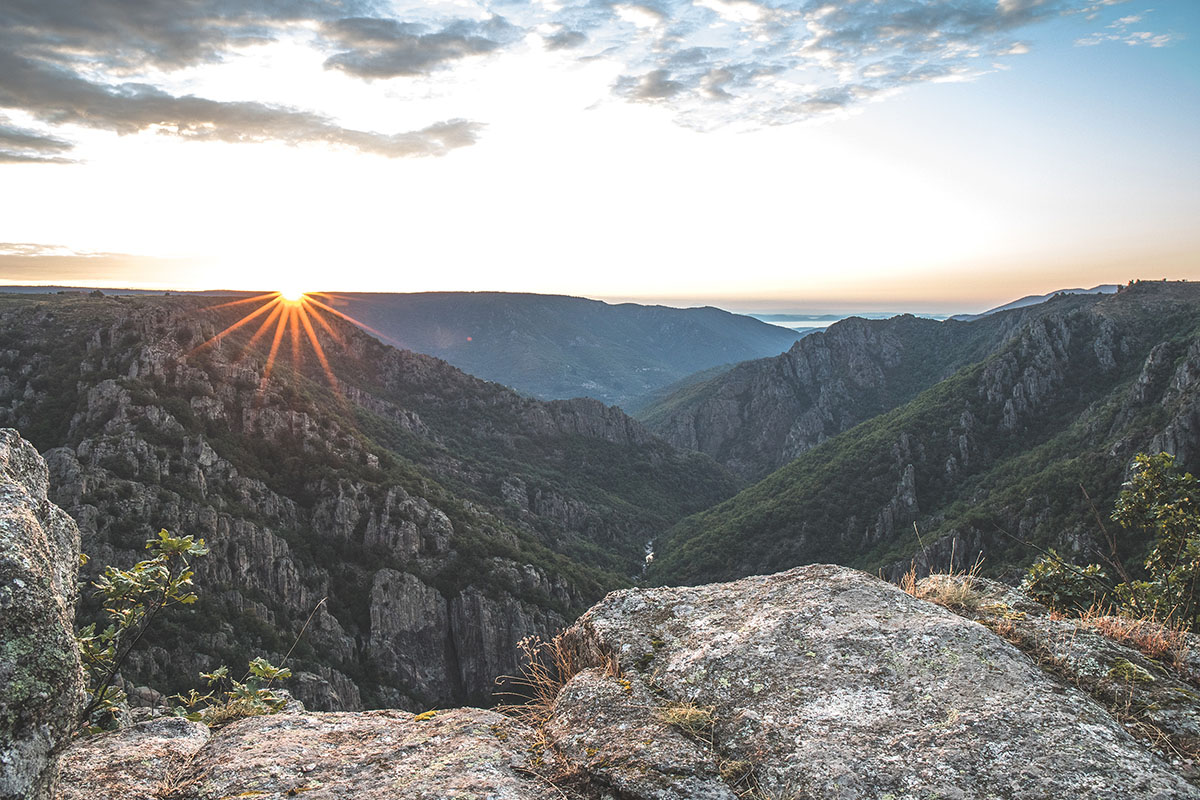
x=1143, y=673
x=149, y=759
x=373, y=755
x=822, y=682
x=829, y=683
x=41, y=683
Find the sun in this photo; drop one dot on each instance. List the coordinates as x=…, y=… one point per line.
x=290, y=312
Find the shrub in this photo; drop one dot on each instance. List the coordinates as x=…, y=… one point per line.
x=1163, y=506
x=1159, y=501
x=1056, y=583
x=132, y=599
x=233, y=699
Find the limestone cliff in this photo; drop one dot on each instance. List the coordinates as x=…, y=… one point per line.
x=761, y=414
x=442, y=518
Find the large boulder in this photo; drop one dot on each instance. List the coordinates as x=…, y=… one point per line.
x=1143, y=672
x=825, y=682
x=41, y=681
x=147, y=759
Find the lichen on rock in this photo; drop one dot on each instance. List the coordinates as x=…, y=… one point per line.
x=41, y=683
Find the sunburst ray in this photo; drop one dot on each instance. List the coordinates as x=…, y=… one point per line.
x=355, y=322
x=317, y=348
x=244, y=320
x=282, y=318
x=245, y=300
x=270, y=366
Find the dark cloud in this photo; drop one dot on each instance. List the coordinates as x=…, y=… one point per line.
x=716, y=62
x=654, y=85
x=385, y=48
x=164, y=33
x=565, y=39
x=22, y=145
x=57, y=95
x=67, y=62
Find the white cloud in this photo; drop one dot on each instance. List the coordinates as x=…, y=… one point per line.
x=1119, y=31
x=713, y=63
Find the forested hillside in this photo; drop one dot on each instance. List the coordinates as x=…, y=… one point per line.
x=994, y=458
x=444, y=517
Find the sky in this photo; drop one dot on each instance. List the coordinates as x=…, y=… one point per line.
x=766, y=155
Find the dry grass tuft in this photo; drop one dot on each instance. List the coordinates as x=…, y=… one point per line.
x=179, y=778
x=953, y=589
x=693, y=720
x=1159, y=640
x=549, y=664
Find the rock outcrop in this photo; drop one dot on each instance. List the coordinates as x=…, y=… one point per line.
x=822, y=682
x=412, y=483
x=761, y=414
x=371, y=755
x=40, y=675
x=1146, y=674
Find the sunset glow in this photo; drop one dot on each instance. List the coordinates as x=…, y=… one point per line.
x=845, y=155
x=286, y=316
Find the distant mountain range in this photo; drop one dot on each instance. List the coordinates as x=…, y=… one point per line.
x=1035, y=299
x=553, y=346
x=549, y=346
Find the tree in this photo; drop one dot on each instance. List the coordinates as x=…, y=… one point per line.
x=132, y=599
x=1159, y=505
x=1159, y=501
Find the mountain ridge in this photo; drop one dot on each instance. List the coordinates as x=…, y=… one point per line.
x=759, y=415
x=997, y=450
x=559, y=346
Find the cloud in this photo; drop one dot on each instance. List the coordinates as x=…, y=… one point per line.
x=385, y=48
x=750, y=63
x=741, y=63
x=23, y=145
x=26, y=263
x=654, y=85
x=127, y=34
x=564, y=38
x=1119, y=31
x=69, y=62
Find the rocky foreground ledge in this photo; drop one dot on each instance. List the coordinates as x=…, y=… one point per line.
x=821, y=682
